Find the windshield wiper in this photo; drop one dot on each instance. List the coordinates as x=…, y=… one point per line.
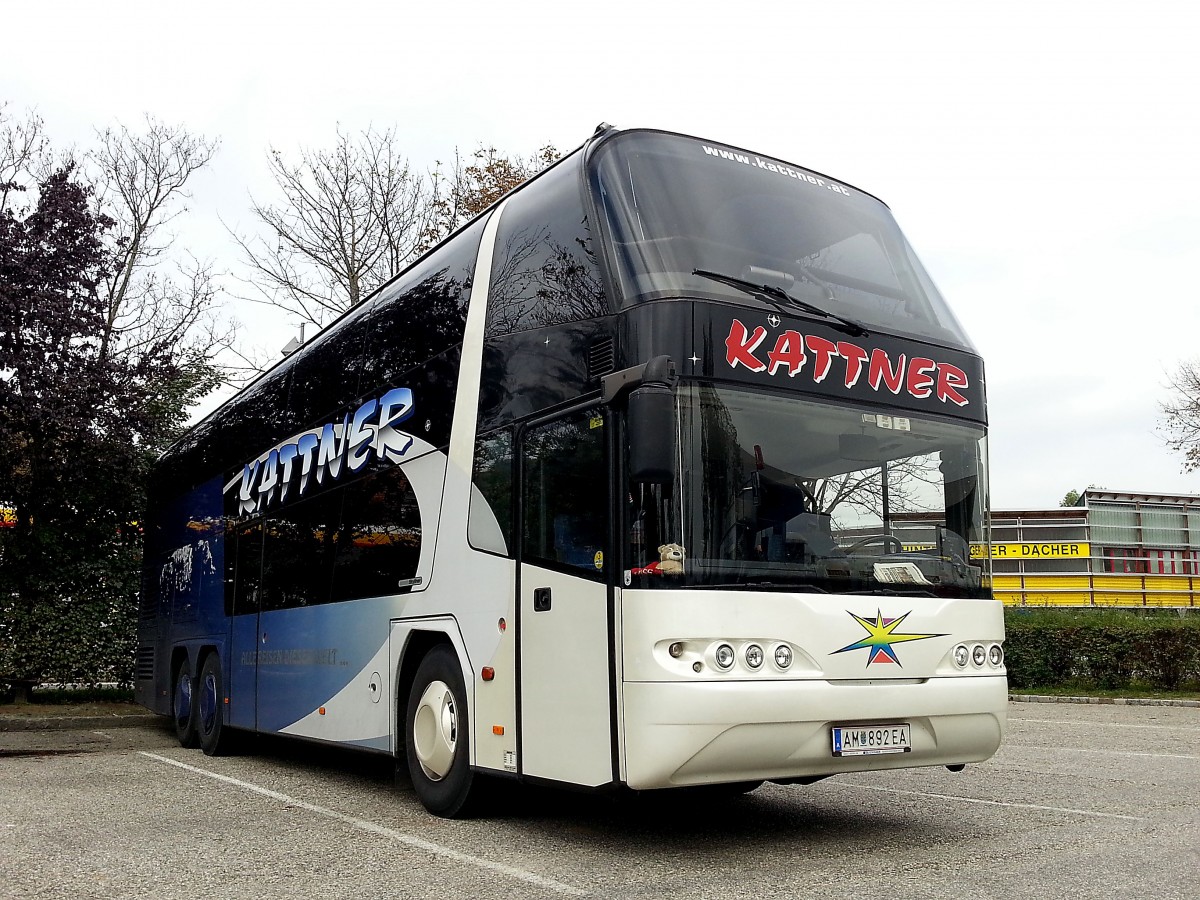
x=774, y=296
x=889, y=592
x=781, y=585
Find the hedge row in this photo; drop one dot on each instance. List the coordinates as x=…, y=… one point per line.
x=1102, y=649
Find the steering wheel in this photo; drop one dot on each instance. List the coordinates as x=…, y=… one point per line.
x=890, y=543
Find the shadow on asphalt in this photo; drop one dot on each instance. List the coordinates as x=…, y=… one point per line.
x=672, y=820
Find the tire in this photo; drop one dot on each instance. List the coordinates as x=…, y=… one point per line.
x=215, y=738
x=183, y=709
x=437, y=737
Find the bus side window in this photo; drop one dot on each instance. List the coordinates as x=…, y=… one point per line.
x=298, y=551
x=243, y=569
x=564, y=496
x=489, y=523
x=544, y=271
x=379, y=542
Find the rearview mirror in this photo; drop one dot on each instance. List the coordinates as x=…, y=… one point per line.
x=651, y=426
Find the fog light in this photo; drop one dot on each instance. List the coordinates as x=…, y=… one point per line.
x=754, y=656
x=724, y=656
x=676, y=649
x=783, y=656
x=962, y=656
x=996, y=655
x=978, y=655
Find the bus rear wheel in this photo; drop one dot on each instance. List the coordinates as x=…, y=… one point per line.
x=215, y=738
x=437, y=738
x=183, y=707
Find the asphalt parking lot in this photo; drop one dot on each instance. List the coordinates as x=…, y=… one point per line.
x=1081, y=801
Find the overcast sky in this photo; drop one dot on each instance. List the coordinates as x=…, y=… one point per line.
x=1041, y=156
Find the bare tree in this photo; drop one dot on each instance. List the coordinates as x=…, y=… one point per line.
x=1180, y=422
x=468, y=189
x=25, y=157
x=350, y=217
x=155, y=299
x=853, y=495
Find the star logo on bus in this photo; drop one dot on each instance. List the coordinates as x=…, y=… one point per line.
x=774, y=320
x=881, y=636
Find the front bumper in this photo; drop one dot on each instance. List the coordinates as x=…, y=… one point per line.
x=679, y=734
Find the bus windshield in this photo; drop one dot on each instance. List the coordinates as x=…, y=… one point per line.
x=779, y=492
x=676, y=206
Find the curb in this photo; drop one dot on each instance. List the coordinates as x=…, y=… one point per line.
x=76, y=723
x=1103, y=701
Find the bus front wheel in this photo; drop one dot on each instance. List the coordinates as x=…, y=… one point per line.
x=437, y=736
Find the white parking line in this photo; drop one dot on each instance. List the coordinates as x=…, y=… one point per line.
x=390, y=833
x=1109, y=752
x=1057, y=809
x=1078, y=724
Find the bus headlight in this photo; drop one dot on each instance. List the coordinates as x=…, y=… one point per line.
x=754, y=656
x=724, y=656
x=996, y=655
x=783, y=656
x=978, y=655
x=962, y=656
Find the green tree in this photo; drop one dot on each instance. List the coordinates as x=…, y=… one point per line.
x=1070, y=498
x=101, y=355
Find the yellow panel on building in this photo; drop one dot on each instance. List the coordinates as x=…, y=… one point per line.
x=1035, y=550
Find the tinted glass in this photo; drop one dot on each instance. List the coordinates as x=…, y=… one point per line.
x=674, y=205
x=424, y=311
x=415, y=329
x=243, y=569
x=779, y=492
x=327, y=373
x=544, y=271
x=248, y=424
x=298, y=552
x=379, y=543
x=489, y=526
x=564, y=499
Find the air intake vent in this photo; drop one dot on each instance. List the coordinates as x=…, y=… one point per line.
x=601, y=359
x=144, y=669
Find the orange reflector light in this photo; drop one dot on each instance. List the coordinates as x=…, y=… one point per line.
x=497, y=729
x=321, y=711
x=488, y=673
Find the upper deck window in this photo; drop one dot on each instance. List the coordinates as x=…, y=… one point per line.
x=673, y=205
x=544, y=271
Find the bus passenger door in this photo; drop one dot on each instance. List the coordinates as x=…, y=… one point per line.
x=565, y=707
x=244, y=549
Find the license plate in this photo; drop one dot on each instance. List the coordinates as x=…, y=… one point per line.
x=872, y=740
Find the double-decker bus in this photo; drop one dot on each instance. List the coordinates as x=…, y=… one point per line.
x=665, y=471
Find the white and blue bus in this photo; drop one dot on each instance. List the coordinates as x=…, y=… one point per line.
x=668, y=470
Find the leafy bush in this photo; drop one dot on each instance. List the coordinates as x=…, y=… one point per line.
x=1107, y=649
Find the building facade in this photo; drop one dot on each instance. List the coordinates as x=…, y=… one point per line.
x=1112, y=549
